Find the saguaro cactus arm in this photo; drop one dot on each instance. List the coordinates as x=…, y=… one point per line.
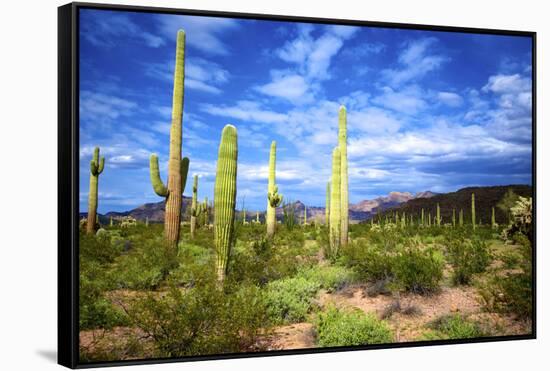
x=97, y=164
x=158, y=186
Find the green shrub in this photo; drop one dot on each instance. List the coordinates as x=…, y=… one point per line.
x=328, y=277
x=418, y=270
x=96, y=311
x=201, y=320
x=350, y=327
x=145, y=266
x=291, y=299
x=511, y=291
x=371, y=262
x=467, y=257
x=453, y=327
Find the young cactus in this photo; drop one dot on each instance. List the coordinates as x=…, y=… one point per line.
x=344, y=197
x=196, y=209
x=335, y=200
x=225, y=193
x=274, y=199
x=96, y=167
x=454, y=218
x=327, y=205
x=177, y=167
x=473, y=211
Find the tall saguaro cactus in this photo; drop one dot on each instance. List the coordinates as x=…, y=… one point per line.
x=438, y=215
x=493, y=219
x=177, y=167
x=225, y=193
x=305, y=215
x=96, y=167
x=474, y=211
x=344, y=196
x=335, y=211
x=327, y=205
x=274, y=199
x=454, y=218
x=461, y=218
x=422, y=217
x=195, y=208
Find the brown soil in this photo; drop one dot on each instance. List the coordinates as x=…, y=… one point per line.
x=295, y=336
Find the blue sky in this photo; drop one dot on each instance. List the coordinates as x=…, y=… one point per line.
x=426, y=110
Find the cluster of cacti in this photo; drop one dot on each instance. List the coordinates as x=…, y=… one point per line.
x=274, y=199
x=522, y=219
x=225, y=193
x=335, y=203
x=96, y=167
x=177, y=167
x=128, y=221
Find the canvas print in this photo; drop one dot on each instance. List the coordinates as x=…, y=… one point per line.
x=253, y=185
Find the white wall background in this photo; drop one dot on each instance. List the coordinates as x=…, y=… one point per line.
x=28, y=78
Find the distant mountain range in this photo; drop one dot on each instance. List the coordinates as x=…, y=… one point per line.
x=362, y=210
x=486, y=198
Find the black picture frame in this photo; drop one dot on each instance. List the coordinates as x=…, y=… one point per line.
x=68, y=180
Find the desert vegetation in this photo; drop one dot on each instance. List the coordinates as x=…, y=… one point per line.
x=208, y=282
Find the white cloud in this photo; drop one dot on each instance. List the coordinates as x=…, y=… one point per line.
x=102, y=31
x=450, y=99
x=291, y=87
x=415, y=61
x=203, y=33
x=501, y=84
x=200, y=74
x=408, y=100
x=245, y=111
x=98, y=106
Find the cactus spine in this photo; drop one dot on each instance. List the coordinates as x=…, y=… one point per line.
x=438, y=215
x=335, y=201
x=461, y=218
x=177, y=167
x=195, y=209
x=274, y=199
x=96, y=167
x=327, y=205
x=225, y=193
x=343, y=145
x=473, y=211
